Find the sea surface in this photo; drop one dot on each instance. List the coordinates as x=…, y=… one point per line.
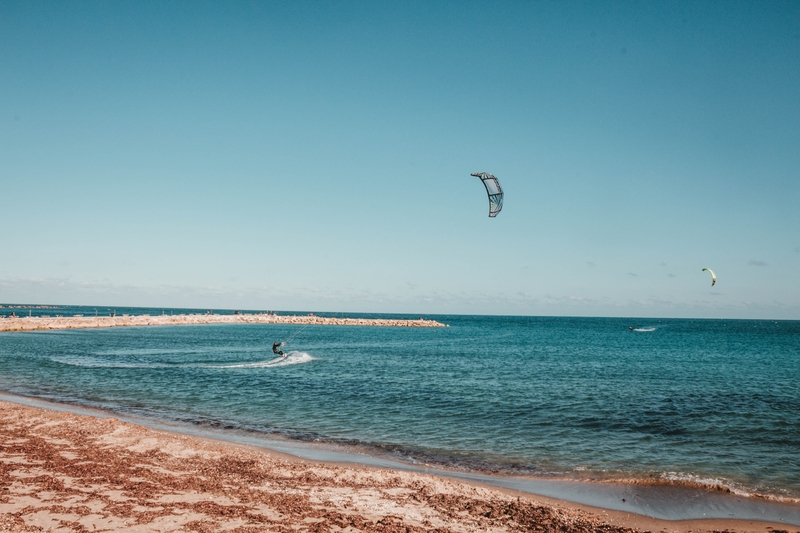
x=665, y=402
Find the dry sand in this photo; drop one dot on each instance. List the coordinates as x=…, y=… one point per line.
x=27, y=323
x=65, y=472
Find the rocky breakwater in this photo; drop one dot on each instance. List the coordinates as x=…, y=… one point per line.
x=30, y=323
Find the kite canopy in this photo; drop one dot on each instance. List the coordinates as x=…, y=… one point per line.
x=494, y=191
x=713, y=277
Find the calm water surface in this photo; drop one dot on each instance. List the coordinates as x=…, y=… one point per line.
x=687, y=401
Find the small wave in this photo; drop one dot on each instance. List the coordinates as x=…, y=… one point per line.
x=692, y=480
x=711, y=484
x=292, y=358
x=644, y=329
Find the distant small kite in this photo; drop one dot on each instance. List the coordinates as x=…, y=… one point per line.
x=494, y=191
x=713, y=277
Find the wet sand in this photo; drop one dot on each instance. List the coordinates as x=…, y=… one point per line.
x=30, y=323
x=61, y=471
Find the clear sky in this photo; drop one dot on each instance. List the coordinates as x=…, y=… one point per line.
x=317, y=156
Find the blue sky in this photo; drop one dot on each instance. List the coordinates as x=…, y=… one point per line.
x=317, y=156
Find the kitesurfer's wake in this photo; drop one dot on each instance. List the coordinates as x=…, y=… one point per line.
x=291, y=358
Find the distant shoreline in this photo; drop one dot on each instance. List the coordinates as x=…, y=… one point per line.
x=38, y=323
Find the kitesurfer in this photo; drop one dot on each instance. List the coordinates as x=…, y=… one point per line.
x=275, y=349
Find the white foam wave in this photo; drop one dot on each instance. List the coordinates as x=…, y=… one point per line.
x=644, y=329
x=704, y=481
x=292, y=358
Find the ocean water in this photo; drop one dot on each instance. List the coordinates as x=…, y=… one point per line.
x=670, y=401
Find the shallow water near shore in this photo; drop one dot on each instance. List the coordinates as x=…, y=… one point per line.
x=666, y=502
x=673, y=403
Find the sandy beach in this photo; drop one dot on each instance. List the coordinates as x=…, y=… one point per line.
x=30, y=323
x=61, y=471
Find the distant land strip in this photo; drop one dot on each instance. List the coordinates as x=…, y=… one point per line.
x=30, y=323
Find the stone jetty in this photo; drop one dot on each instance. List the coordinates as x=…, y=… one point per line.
x=31, y=323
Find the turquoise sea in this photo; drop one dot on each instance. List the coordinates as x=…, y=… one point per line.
x=670, y=402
